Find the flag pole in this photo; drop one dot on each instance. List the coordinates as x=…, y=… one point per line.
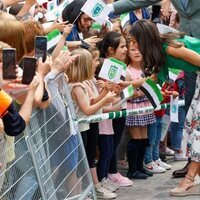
x=77, y=16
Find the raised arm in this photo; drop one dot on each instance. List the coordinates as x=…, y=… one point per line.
x=185, y=54
x=123, y=6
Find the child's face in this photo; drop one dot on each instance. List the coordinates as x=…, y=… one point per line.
x=95, y=61
x=134, y=53
x=121, y=50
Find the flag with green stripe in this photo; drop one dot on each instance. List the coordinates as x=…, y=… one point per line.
x=152, y=92
x=125, y=20
x=113, y=70
x=126, y=93
x=174, y=73
x=53, y=38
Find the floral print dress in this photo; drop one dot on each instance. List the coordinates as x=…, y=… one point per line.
x=192, y=123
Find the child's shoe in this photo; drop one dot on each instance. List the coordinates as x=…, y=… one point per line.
x=103, y=193
x=162, y=164
x=109, y=185
x=120, y=180
x=137, y=175
x=154, y=168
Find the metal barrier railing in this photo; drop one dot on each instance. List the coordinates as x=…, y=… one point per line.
x=50, y=161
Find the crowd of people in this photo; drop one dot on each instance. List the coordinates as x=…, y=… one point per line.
x=132, y=142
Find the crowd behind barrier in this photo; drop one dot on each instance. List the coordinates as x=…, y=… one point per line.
x=48, y=160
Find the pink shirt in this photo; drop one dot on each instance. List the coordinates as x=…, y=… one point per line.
x=106, y=127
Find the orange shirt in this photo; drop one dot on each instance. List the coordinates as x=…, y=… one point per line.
x=5, y=101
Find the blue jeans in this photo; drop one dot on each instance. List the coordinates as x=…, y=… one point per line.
x=176, y=131
x=106, y=151
x=154, y=136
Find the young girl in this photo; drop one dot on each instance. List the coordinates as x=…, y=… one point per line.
x=114, y=45
x=137, y=124
x=78, y=72
x=91, y=135
x=186, y=57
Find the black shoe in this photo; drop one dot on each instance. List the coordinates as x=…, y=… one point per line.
x=137, y=175
x=181, y=172
x=144, y=171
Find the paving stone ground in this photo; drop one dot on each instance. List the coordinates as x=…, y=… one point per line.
x=154, y=188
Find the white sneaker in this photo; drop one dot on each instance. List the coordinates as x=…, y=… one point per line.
x=180, y=157
x=162, y=164
x=167, y=152
x=154, y=168
x=103, y=193
x=109, y=185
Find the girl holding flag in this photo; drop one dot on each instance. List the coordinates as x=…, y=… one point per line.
x=182, y=52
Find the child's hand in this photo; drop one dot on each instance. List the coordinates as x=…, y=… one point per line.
x=175, y=94
x=100, y=84
x=60, y=26
x=116, y=107
x=110, y=97
x=92, y=40
x=109, y=86
x=154, y=78
x=67, y=30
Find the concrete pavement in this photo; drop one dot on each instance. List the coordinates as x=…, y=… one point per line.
x=154, y=188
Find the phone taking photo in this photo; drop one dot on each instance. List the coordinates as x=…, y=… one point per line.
x=41, y=47
x=29, y=69
x=9, y=63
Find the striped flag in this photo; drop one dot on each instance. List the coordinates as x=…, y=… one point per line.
x=125, y=20
x=113, y=70
x=53, y=38
x=152, y=92
x=97, y=10
x=126, y=93
x=174, y=73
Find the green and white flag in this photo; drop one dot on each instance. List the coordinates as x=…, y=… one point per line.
x=56, y=12
x=113, y=70
x=126, y=93
x=53, y=38
x=125, y=20
x=174, y=73
x=153, y=92
x=97, y=10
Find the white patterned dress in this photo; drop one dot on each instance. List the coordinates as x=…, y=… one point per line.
x=192, y=123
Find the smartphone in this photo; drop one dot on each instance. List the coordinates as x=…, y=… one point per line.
x=41, y=47
x=9, y=63
x=29, y=67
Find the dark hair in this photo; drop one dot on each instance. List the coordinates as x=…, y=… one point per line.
x=72, y=11
x=14, y=10
x=111, y=39
x=149, y=43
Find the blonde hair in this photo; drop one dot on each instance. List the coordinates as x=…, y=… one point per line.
x=3, y=45
x=12, y=33
x=81, y=69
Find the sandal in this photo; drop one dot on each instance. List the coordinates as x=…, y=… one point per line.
x=191, y=189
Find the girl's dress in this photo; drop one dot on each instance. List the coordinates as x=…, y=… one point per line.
x=140, y=102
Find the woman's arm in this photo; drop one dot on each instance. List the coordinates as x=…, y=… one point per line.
x=184, y=53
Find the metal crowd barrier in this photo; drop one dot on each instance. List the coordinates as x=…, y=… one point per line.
x=48, y=159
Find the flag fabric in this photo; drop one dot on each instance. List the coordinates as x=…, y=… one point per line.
x=113, y=70
x=53, y=38
x=152, y=92
x=174, y=73
x=56, y=12
x=125, y=20
x=97, y=10
x=126, y=93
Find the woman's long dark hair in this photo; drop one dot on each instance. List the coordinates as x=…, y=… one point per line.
x=149, y=43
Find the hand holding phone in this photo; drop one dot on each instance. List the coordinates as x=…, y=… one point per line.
x=29, y=69
x=41, y=47
x=9, y=63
